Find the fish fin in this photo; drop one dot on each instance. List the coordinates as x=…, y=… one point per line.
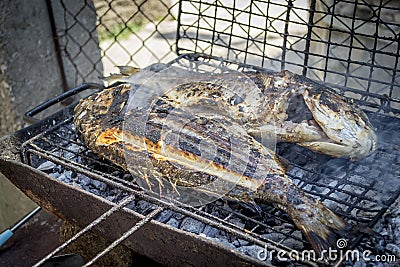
x=128, y=70
x=115, y=78
x=146, y=178
x=174, y=188
x=321, y=227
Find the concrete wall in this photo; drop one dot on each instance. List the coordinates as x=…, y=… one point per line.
x=76, y=26
x=29, y=75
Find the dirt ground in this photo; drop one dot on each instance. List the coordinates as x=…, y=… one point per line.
x=31, y=242
x=10, y=198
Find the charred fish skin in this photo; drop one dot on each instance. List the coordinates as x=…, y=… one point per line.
x=332, y=124
x=99, y=121
x=337, y=128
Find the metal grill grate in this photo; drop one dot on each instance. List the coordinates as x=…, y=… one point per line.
x=350, y=45
x=95, y=36
x=351, y=189
x=353, y=46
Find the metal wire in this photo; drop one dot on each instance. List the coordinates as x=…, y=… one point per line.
x=103, y=217
x=348, y=44
x=95, y=36
x=359, y=201
x=135, y=228
x=352, y=45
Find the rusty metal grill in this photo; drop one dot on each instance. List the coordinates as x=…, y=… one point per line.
x=352, y=189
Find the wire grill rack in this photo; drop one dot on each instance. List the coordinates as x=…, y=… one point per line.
x=352, y=189
x=351, y=45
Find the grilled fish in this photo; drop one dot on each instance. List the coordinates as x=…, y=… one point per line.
x=294, y=109
x=174, y=145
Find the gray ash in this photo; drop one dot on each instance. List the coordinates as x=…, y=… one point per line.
x=357, y=191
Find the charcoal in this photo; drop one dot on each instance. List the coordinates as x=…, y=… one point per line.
x=119, y=195
x=46, y=166
x=396, y=227
x=111, y=198
x=165, y=215
x=173, y=222
x=60, y=169
x=98, y=185
x=361, y=169
x=240, y=243
x=55, y=175
x=192, y=225
x=360, y=263
x=277, y=237
x=179, y=216
x=66, y=177
x=296, y=172
x=142, y=206
x=252, y=250
x=84, y=180
x=210, y=231
x=63, y=178
x=295, y=243
x=236, y=221
x=393, y=249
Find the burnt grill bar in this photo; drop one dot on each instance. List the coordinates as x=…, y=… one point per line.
x=126, y=235
x=103, y=217
x=351, y=46
x=198, y=214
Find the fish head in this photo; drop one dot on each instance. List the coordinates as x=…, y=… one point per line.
x=347, y=130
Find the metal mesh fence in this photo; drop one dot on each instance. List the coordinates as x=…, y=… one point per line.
x=351, y=45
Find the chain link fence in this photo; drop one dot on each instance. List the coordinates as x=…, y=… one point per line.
x=351, y=45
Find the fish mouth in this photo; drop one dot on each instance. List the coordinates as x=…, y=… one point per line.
x=367, y=147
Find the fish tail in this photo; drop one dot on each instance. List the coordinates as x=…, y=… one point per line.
x=128, y=70
x=125, y=72
x=321, y=227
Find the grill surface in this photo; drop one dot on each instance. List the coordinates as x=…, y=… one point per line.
x=353, y=190
x=352, y=46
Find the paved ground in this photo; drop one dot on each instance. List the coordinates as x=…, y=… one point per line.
x=157, y=41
